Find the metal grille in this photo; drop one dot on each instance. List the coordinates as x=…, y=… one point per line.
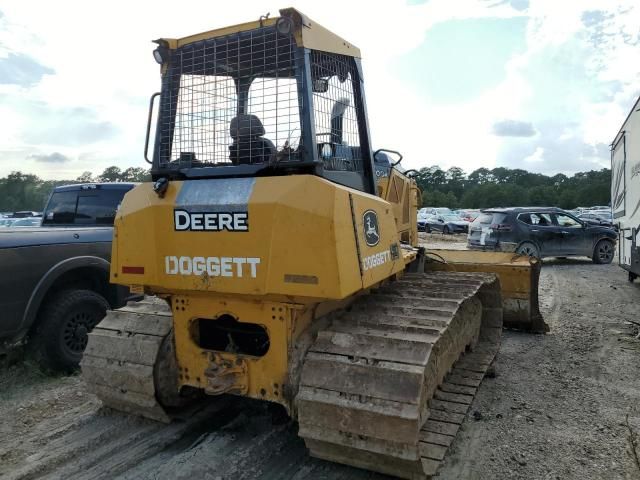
x=231, y=100
x=335, y=111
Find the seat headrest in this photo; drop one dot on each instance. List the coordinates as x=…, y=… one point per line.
x=247, y=126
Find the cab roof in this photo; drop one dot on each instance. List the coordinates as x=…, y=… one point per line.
x=307, y=34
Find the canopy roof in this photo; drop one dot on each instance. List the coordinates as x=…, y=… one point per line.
x=307, y=33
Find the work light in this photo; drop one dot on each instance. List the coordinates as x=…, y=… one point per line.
x=284, y=26
x=161, y=54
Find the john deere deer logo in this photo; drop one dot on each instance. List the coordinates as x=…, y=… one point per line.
x=371, y=232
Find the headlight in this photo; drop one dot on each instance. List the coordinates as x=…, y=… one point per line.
x=161, y=54
x=284, y=26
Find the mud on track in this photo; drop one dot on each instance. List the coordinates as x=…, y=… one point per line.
x=556, y=409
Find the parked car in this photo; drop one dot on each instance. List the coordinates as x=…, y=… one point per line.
x=445, y=224
x=54, y=279
x=425, y=221
x=27, y=222
x=597, y=218
x=468, y=215
x=423, y=212
x=25, y=214
x=422, y=220
x=441, y=211
x=541, y=232
x=606, y=214
x=434, y=211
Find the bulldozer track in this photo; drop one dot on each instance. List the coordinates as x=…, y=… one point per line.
x=122, y=355
x=387, y=385
x=384, y=387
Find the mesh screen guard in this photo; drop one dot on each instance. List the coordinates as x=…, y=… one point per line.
x=249, y=77
x=248, y=98
x=335, y=112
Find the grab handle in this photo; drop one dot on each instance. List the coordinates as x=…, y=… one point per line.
x=146, y=140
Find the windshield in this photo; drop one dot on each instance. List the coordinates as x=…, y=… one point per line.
x=451, y=218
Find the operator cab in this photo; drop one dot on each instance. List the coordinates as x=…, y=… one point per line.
x=274, y=97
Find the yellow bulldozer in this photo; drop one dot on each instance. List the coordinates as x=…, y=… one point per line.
x=281, y=260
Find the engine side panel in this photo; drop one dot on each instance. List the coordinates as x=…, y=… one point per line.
x=285, y=236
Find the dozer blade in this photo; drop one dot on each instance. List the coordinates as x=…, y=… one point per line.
x=388, y=383
x=519, y=276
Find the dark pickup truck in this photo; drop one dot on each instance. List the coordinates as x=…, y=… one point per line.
x=54, y=279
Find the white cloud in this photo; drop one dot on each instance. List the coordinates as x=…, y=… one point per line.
x=535, y=157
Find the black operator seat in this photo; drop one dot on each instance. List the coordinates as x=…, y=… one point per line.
x=249, y=145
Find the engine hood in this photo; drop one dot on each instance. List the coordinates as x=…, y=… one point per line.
x=595, y=228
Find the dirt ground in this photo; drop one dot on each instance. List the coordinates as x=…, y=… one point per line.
x=561, y=406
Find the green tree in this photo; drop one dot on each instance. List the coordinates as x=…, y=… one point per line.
x=456, y=179
x=482, y=188
x=481, y=176
x=111, y=174
x=135, y=174
x=436, y=198
x=86, y=177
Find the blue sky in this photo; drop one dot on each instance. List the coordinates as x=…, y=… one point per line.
x=536, y=84
x=454, y=52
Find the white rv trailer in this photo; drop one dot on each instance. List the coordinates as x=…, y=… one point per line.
x=625, y=191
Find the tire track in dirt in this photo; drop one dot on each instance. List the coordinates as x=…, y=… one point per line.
x=557, y=406
x=224, y=437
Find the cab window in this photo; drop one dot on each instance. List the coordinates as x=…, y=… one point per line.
x=61, y=209
x=98, y=209
x=541, y=219
x=567, y=221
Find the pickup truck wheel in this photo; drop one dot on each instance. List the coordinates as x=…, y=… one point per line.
x=603, y=253
x=64, y=324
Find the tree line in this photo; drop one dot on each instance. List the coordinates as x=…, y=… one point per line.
x=453, y=188
x=25, y=191
x=507, y=187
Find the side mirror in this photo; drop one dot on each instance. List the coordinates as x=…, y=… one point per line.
x=441, y=220
x=397, y=156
